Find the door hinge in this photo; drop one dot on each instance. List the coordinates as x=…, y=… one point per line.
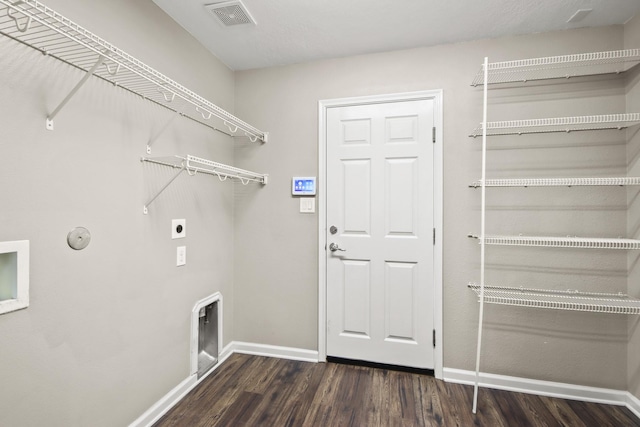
x=434, y=236
x=433, y=134
x=434, y=338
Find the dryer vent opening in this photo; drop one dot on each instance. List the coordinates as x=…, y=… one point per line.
x=206, y=335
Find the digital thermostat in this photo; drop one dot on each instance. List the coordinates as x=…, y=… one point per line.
x=303, y=186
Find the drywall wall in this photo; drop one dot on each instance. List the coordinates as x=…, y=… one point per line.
x=632, y=41
x=107, y=332
x=276, y=299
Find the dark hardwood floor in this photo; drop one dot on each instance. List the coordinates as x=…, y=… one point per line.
x=260, y=391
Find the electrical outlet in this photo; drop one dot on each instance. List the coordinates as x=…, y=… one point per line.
x=178, y=228
x=181, y=256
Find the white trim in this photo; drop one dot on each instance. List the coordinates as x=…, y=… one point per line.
x=165, y=403
x=275, y=351
x=633, y=403
x=438, y=182
x=195, y=317
x=169, y=400
x=544, y=388
x=21, y=300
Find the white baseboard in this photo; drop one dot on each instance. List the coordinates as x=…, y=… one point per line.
x=275, y=351
x=161, y=407
x=633, y=403
x=545, y=388
x=170, y=399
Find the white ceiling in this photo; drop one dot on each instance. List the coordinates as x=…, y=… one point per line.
x=293, y=31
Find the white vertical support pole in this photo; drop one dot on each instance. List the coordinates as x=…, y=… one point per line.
x=482, y=223
x=49, y=122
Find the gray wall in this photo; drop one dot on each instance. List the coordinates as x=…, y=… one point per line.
x=107, y=331
x=632, y=40
x=276, y=299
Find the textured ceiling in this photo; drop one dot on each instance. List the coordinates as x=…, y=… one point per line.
x=292, y=31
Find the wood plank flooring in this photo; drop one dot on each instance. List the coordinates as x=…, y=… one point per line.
x=260, y=391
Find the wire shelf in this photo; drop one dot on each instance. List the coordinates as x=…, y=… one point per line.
x=559, y=124
x=555, y=67
x=557, y=182
x=41, y=28
x=560, y=300
x=194, y=165
x=561, y=242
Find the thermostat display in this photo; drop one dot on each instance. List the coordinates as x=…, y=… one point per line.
x=303, y=186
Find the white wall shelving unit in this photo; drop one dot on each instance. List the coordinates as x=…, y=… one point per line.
x=520, y=71
x=36, y=25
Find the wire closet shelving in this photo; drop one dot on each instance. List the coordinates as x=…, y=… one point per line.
x=560, y=300
x=38, y=26
x=559, y=124
x=558, y=182
x=560, y=242
x=520, y=71
x=194, y=165
x=554, y=67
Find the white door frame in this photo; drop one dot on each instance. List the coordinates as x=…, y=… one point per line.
x=436, y=96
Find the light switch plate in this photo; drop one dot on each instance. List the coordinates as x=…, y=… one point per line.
x=307, y=205
x=178, y=228
x=181, y=256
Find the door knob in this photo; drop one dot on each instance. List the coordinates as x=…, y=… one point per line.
x=334, y=247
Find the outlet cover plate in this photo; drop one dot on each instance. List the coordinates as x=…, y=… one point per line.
x=178, y=228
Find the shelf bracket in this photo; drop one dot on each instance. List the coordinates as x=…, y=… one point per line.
x=146, y=205
x=49, y=122
x=153, y=139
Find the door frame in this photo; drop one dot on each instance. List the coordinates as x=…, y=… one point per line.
x=323, y=105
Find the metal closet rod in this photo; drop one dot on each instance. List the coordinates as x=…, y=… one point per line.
x=40, y=27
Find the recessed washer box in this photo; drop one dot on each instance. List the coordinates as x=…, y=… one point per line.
x=14, y=275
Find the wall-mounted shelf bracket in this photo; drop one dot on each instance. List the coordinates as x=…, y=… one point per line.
x=153, y=139
x=145, y=209
x=99, y=62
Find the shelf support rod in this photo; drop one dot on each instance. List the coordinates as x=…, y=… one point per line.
x=146, y=206
x=153, y=139
x=49, y=122
x=482, y=235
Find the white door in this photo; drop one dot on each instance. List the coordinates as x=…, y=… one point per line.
x=380, y=215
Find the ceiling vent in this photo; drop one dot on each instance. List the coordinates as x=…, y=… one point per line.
x=231, y=13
